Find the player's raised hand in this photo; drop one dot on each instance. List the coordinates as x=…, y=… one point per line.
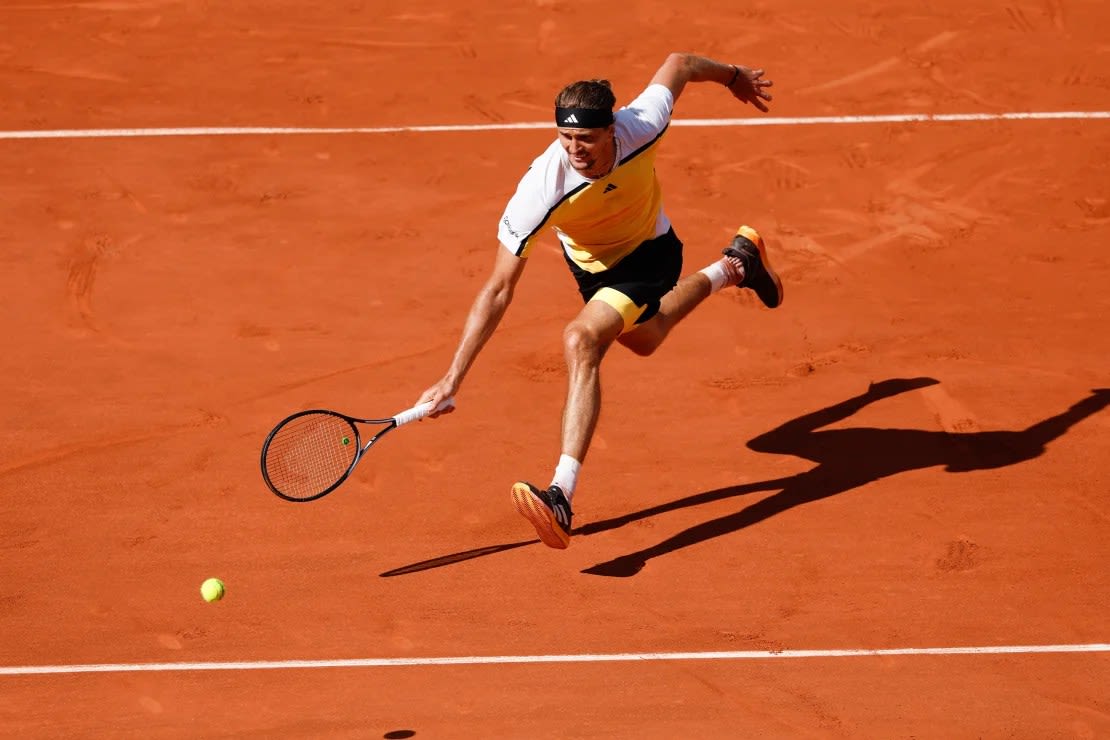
x=894, y=386
x=750, y=87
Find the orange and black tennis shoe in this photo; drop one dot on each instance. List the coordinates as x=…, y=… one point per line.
x=747, y=247
x=548, y=511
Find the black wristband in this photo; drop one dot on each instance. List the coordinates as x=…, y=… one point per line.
x=735, y=74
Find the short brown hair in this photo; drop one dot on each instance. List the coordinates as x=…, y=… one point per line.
x=592, y=94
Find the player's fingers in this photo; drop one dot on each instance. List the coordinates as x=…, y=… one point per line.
x=441, y=404
x=441, y=411
x=430, y=396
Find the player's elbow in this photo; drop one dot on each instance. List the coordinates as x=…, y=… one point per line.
x=498, y=294
x=680, y=61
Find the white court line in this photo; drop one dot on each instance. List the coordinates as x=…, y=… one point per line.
x=105, y=133
x=536, y=659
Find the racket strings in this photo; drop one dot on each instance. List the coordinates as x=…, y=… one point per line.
x=310, y=454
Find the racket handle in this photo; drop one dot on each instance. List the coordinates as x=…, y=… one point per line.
x=421, y=410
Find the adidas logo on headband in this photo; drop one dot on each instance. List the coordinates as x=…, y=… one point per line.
x=583, y=117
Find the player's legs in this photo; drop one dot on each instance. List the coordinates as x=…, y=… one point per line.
x=607, y=315
x=645, y=338
x=638, y=302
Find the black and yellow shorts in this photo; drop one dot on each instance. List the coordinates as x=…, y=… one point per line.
x=635, y=285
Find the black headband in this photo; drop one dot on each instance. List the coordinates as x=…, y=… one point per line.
x=583, y=118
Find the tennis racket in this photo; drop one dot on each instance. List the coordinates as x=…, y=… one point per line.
x=308, y=454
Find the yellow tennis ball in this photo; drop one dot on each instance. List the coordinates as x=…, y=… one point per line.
x=212, y=589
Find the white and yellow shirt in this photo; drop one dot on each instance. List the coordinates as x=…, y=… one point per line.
x=598, y=221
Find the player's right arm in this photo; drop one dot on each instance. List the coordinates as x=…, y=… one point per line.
x=485, y=314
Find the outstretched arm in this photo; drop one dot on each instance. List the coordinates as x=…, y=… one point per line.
x=1045, y=431
x=746, y=84
x=485, y=314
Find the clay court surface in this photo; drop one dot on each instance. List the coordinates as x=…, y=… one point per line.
x=911, y=453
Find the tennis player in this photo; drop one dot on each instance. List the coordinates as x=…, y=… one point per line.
x=596, y=187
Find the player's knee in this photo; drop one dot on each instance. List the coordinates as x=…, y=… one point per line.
x=581, y=342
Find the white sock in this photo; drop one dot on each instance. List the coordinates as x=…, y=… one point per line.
x=566, y=475
x=719, y=275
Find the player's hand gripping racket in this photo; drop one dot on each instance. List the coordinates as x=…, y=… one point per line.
x=310, y=453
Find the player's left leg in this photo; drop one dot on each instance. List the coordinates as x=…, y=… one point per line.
x=645, y=338
x=744, y=265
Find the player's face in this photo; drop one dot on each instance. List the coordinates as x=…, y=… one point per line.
x=591, y=150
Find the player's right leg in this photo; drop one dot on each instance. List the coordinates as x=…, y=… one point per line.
x=586, y=339
x=585, y=342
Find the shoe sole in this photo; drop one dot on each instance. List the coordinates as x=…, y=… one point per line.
x=535, y=511
x=753, y=236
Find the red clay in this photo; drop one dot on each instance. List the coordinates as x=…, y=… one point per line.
x=167, y=299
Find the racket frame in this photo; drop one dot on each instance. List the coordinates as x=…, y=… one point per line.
x=391, y=423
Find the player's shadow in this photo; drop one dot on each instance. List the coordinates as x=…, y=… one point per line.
x=846, y=459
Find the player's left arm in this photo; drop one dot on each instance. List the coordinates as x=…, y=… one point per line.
x=746, y=84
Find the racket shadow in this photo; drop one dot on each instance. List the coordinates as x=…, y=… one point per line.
x=592, y=528
x=457, y=557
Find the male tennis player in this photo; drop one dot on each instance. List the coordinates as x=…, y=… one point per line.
x=596, y=187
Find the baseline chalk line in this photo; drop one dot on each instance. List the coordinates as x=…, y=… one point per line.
x=105, y=133
x=539, y=659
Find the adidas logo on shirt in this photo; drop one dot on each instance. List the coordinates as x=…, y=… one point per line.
x=570, y=119
x=608, y=188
